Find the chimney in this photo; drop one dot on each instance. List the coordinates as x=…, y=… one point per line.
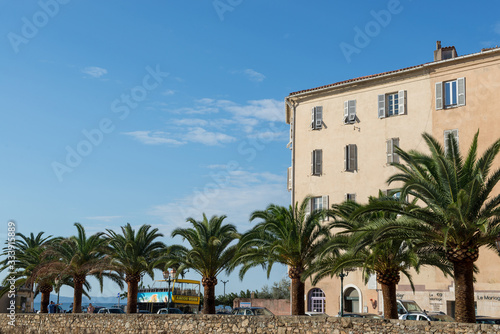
x=447, y=52
x=438, y=45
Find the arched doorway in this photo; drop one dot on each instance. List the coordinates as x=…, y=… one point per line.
x=351, y=300
x=316, y=301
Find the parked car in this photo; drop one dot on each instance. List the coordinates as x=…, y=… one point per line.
x=251, y=311
x=407, y=306
x=427, y=316
x=361, y=315
x=111, y=310
x=480, y=319
x=169, y=311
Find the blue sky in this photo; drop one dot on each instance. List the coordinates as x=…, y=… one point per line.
x=150, y=112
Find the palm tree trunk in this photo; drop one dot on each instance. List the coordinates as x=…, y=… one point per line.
x=209, y=284
x=133, y=289
x=298, y=305
x=78, y=281
x=45, y=290
x=464, y=291
x=390, y=302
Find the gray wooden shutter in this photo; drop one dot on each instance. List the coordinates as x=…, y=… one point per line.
x=325, y=202
x=439, y=95
x=353, y=197
x=318, y=161
x=352, y=157
x=395, y=155
x=289, y=178
x=346, y=111
x=312, y=162
x=352, y=110
x=308, y=207
x=346, y=158
x=319, y=117
x=461, y=91
x=381, y=106
x=389, y=151
x=402, y=102
x=313, y=113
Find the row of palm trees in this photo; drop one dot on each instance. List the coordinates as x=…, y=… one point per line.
x=452, y=215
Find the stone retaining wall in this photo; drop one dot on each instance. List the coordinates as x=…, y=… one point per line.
x=194, y=324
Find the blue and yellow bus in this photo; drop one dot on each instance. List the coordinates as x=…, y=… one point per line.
x=184, y=295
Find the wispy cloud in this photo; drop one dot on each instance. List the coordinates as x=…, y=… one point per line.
x=193, y=135
x=496, y=28
x=153, y=137
x=168, y=92
x=251, y=74
x=200, y=135
x=238, y=194
x=254, y=75
x=95, y=71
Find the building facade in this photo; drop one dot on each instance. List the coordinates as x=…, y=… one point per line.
x=342, y=139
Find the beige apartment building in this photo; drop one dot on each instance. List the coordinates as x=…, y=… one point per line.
x=342, y=137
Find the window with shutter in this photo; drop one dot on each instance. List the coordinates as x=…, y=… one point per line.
x=392, y=156
x=349, y=111
x=391, y=104
x=317, y=118
x=350, y=197
x=317, y=160
x=450, y=94
x=351, y=158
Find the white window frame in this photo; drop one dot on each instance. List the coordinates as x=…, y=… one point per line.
x=392, y=156
x=317, y=118
x=350, y=161
x=383, y=104
x=317, y=162
x=442, y=93
x=446, y=142
x=349, y=112
x=315, y=203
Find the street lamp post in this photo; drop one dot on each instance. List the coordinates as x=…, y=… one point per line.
x=342, y=275
x=58, y=287
x=168, y=277
x=224, y=282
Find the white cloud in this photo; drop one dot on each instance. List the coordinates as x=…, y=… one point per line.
x=194, y=135
x=235, y=193
x=200, y=135
x=153, y=137
x=168, y=92
x=267, y=136
x=251, y=74
x=254, y=75
x=95, y=71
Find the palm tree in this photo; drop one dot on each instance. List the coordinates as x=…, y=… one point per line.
x=79, y=257
x=458, y=215
x=27, y=260
x=290, y=236
x=362, y=248
x=134, y=254
x=210, y=253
